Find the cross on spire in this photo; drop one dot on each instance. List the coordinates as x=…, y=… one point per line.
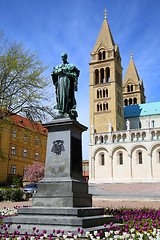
x=105, y=15
x=131, y=54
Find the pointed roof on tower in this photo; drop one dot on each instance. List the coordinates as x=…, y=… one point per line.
x=105, y=38
x=131, y=73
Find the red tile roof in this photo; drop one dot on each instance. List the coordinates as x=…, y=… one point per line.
x=29, y=124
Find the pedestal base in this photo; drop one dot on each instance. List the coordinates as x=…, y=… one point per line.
x=62, y=193
x=66, y=219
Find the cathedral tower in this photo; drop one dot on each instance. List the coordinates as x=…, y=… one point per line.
x=106, y=93
x=133, y=89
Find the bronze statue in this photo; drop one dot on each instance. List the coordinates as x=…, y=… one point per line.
x=65, y=78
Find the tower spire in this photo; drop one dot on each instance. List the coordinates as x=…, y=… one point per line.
x=131, y=54
x=105, y=15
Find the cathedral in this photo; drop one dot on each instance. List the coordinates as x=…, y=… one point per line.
x=124, y=130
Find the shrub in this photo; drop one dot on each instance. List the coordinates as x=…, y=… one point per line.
x=12, y=194
x=15, y=180
x=1, y=195
x=17, y=195
x=7, y=194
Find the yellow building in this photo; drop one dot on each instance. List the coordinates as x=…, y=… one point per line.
x=22, y=142
x=106, y=94
x=133, y=89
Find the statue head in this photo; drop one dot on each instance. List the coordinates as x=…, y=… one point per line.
x=64, y=57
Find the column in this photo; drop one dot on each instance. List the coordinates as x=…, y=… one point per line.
x=130, y=165
x=150, y=165
x=111, y=160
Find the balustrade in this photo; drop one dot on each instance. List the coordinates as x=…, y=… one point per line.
x=127, y=136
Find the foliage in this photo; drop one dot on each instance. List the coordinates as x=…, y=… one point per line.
x=22, y=85
x=1, y=195
x=131, y=218
x=15, y=180
x=11, y=194
x=35, y=172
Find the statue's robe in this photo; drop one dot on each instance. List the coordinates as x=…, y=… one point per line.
x=65, y=79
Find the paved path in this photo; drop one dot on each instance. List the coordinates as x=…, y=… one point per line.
x=9, y=204
x=135, y=195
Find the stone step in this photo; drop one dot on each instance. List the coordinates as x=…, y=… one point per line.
x=79, y=212
x=89, y=221
x=29, y=228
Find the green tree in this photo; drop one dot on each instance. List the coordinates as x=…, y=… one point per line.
x=23, y=87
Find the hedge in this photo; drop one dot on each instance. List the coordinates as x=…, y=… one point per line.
x=10, y=194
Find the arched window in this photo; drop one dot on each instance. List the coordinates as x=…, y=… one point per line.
x=107, y=74
x=140, y=157
x=102, y=75
x=126, y=102
x=97, y=93
x=100, y=93
x=159, y=156
x=100, y=55
x=101, y=139
x=104, y=54
x=104, y=93
x=96, y=76
x=96, y=140
x=130, y=101
x=104, y=106
x=128, y=88
x=131, y=88
x=120, y=158
x=134, y=100
x=100, y=107
x=102, y=159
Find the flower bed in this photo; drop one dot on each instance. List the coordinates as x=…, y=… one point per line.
x=138, y=224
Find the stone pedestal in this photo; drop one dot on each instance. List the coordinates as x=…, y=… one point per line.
x=63, y=184
x=62, y=200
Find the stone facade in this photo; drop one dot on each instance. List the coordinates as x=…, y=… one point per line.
x=133, y=89
x=125, y=156
x=120, y=152
x=22, y=142
x=106, y=96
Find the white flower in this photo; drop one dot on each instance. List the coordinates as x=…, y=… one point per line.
x=95, y=233
x=58, y=235
x=69, y=234
x=64, y=236
x=107, y=234
x=122, y=237
x=32, y=238
x=87, y=234
x=116, y=236
x=18, y=238
x=132, y=230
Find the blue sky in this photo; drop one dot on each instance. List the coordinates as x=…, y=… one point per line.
x=51, y=27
